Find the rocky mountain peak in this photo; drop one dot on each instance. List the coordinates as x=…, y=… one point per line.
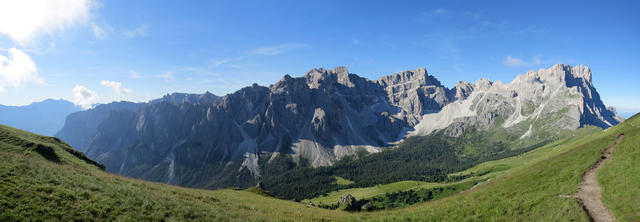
x=463, y=90
x=412, y=77
x=560, y=74
x=323, y=78
x=415, y=91
x=179, y=98
x=581, y=71
x=483, y=84
x=340, y=71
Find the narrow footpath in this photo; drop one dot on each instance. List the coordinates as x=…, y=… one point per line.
x=589, y=192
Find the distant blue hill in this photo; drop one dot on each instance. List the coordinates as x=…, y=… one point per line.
x=627, y=115
x=45, y=117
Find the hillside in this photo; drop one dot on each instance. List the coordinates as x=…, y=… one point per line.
x=56, y=183
x=477, y=174
x=300, y=132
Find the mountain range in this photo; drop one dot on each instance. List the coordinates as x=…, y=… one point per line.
x=45, y=117
x=203, y=140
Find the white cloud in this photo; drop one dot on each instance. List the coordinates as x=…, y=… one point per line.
x=17, y=69
x=83, y=97
x=141, y=31
x=22, y=20
x=134, y=75
x=40, y=48
x=518, y=62
x=116, y=86
x=98, y=32
x=514, y=62
x=276, y=50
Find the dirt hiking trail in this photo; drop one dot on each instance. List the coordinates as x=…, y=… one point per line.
x=589, y=192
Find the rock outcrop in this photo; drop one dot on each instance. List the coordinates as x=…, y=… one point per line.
x=349, y=203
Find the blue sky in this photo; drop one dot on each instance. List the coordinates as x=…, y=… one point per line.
x=101, y=51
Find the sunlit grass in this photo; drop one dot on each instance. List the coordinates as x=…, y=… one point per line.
x=482, y=171
x=342, y=181
x=619, y=177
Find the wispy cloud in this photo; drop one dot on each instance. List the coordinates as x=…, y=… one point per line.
x=518, y=62
x=388, y=44
x=116, y=86
x=200, y=70
x=134, y=75
x=277, y=49
x=436, y=12
x=457, y=68
x=167, y=76
x=537, y=61
x=527, y=30
x=98, y=32
x=356, y=42
x=440, y=11
x=140, y=31
x=445, y=46
x=101, y=30
x=513, y=62
x=475, y=15
x=41, y=49
x=215, y=63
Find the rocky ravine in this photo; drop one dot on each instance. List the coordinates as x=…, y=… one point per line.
x=321, y=117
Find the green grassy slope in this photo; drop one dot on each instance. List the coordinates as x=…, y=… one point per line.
x=368, y=192
x=532, y=187
x=478, y=173
x=620, y=176
x=33, y=187
x=537, y=191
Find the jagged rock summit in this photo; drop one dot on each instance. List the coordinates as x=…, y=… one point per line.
x=204, y=140
x=549, y=100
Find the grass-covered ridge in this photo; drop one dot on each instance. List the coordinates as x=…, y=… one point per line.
x=34, y=187
x=620, y=176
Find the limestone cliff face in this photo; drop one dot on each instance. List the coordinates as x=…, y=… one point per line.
x=546, y=101
x=321, y=117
